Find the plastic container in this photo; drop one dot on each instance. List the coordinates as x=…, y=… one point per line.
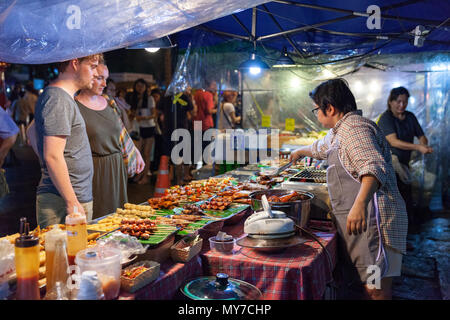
x=223, y=246
x=27, y=263
x=56, y=262
x=76, y=234
x=106, y=262
x=90, y=287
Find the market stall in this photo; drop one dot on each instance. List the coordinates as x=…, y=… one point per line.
x=199, y=212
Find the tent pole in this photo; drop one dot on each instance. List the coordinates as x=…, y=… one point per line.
x=281, y=29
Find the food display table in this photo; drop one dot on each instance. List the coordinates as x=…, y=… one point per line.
x=297, y=273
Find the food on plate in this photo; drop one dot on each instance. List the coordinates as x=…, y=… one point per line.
x=138, y=228
x=217, y=203
x=192, y=209
x=165, y=202
x=138, y=211
x=137, y=207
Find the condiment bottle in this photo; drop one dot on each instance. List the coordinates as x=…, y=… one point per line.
x=27, y=263
x=76, y=234
x=56, y=262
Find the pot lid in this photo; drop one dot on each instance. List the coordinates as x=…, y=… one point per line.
x=220, y=287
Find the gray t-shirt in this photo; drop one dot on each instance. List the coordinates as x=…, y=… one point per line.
x=57, y=114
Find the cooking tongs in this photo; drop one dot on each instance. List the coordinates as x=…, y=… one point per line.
x=279, y=170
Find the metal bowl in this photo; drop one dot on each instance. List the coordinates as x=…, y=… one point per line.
x=298, y=210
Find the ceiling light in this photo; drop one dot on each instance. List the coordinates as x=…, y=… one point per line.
x=284, y=61
x=154, y=45
x=254, y=65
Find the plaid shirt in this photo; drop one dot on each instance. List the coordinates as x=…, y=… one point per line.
x=364, y=150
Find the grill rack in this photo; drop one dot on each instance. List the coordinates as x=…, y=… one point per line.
x=310, y=175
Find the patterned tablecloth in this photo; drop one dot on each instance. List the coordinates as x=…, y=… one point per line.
x=296, y=273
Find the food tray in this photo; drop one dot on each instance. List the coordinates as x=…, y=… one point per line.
x=132, y=285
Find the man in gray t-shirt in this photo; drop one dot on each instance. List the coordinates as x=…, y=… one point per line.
x=63, y=145
x=58, y=115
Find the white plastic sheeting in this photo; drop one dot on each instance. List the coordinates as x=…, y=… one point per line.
x=37, y=32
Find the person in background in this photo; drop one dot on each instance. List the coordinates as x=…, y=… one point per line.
x=368, y=210
x=206, y=107
x=8, y=136
x=400, y=127
x=25, y=107
x=176, y=109
x=228, y=118
x=144, y=111
x=16, y=92
x=103, y=127
x=63, y=144
x=124, y=107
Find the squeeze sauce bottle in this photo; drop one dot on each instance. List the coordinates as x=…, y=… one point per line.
x=76, y=234
x=27, y=263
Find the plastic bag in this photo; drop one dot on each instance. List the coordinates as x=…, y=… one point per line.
x=7, y=266
x=128, y=245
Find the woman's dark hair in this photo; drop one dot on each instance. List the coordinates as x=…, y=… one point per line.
x=395, y=93
x=156, y=91
x=335, y=92
x=133, y=99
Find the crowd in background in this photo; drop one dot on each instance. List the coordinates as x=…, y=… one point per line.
x=149, y=115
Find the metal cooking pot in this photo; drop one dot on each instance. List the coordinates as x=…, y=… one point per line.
x=298, y=210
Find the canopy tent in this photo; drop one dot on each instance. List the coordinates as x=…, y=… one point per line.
x=340, y=27
x=36, y=32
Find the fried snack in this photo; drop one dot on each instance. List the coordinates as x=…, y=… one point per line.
x=165, y=202
x=93, y=236
x=217, y=203
x=41, y=258
x=11, y=238
x=102, y=227
x=42, y=272
x=42, y=282
x=192, y=209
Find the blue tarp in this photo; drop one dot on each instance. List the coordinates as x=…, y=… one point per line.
x=349, y=33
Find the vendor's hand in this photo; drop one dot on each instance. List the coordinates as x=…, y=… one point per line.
x=140, y=162
x=424, y=149
x=296, y=155
x=356, y=219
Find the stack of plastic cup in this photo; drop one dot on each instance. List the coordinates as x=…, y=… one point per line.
x=90, y=287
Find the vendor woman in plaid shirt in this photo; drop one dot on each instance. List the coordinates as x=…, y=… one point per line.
x=368, y=210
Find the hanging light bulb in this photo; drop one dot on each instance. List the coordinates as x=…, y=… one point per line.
x=153, y=45
x=284, y=61
x=152, y=50
x=254, y=65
